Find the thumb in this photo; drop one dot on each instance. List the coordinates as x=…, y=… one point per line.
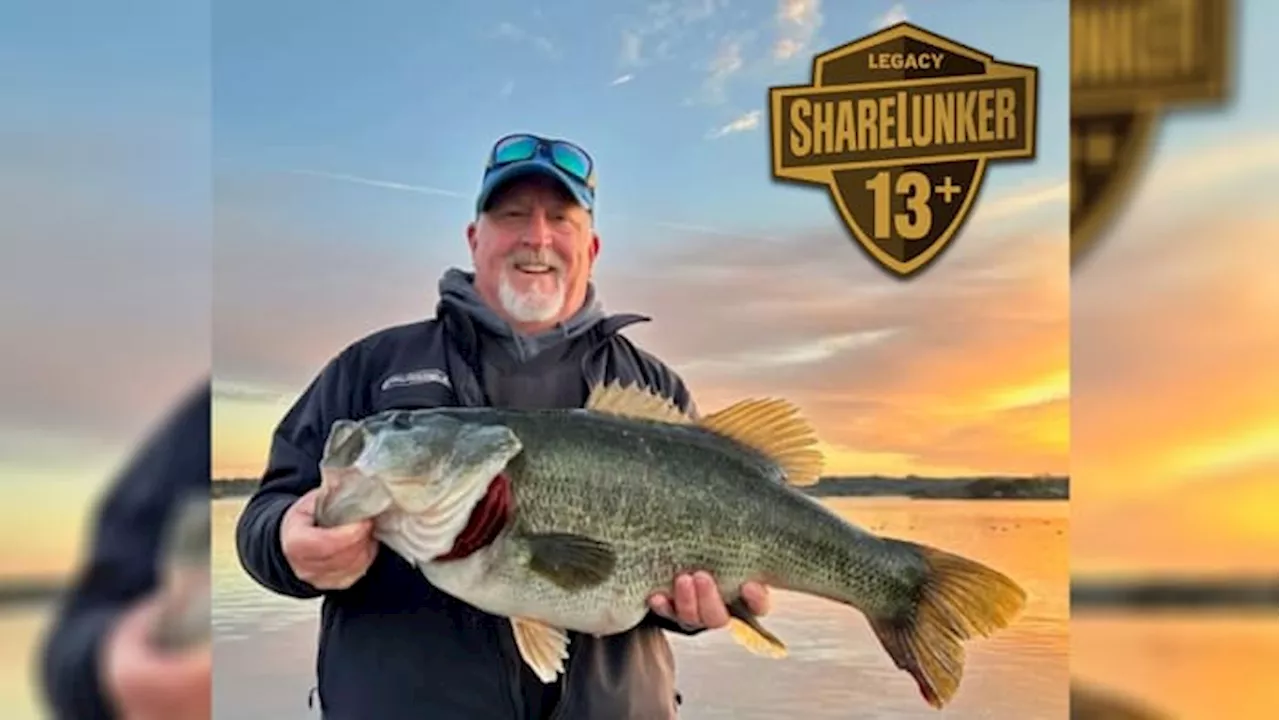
x=353, y=532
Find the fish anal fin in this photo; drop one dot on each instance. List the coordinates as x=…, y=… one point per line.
x=572, y=562
x=957, y=600
x=635, y=401
x=746, y=629
x=543, y=648
x=775, y=428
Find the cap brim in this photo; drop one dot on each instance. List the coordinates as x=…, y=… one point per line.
x=506, y=174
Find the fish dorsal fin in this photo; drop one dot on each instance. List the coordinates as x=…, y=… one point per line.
x=635, y=401
x=775, y=428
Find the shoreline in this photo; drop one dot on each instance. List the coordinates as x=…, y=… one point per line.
x=1043, y=487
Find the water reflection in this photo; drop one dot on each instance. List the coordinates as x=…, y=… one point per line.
x=265, y=644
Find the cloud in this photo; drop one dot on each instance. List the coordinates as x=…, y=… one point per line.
x=746, y=121
x=622, y=79
x=797, y=22
x=632, y=44
x=507, y=88
x=722, y=66
x=963, y=370
x=511, y=31
x=384, y=184
x=894, y=15
x=660, y=27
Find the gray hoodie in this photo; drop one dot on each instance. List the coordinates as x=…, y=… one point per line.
x=457, y=288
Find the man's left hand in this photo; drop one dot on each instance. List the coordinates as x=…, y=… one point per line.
x=695, y=601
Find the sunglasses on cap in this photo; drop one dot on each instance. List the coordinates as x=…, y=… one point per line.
x=563, y=154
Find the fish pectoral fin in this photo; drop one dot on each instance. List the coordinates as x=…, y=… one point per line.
x=746, y=629
x=543, y=648
x=572, y=562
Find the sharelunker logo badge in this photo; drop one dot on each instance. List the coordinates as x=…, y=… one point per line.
x=900, y=127
x=1131, y=61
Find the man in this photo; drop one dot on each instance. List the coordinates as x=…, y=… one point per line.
x=98, y=661
x=524, y=330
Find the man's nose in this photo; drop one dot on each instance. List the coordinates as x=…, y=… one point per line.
x=538, y=230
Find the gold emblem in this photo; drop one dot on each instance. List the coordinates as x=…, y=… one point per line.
x=900, y=127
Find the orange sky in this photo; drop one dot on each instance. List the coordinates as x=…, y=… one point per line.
x=963, y=370
x=1175, y=335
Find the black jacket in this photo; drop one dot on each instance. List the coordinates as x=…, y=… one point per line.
x=391, y=646
x=120, y=567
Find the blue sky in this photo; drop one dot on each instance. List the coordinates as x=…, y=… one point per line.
x=408, y=93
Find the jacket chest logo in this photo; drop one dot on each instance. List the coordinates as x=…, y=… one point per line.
x=425, y=376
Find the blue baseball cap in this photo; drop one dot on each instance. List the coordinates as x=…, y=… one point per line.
x=523, y=154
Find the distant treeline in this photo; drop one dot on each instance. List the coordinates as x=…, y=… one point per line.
x=1040, y=487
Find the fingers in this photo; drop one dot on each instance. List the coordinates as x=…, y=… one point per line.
x=695, y=601
x=661, y=604
x=327, y=558
x=685, y=599
x=340, y=570
x=756, y=596
x=711, y=607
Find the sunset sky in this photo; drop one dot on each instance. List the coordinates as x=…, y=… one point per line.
x=1174, y=345
x=343, y=173
x=339, y=204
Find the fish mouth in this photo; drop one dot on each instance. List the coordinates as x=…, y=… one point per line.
x=348, y=496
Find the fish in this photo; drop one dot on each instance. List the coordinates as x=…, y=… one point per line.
x=583, y=513
x=186, y=610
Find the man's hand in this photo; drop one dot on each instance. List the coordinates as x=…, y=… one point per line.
x=696, y=602
x=327, y=558
x=143, y=683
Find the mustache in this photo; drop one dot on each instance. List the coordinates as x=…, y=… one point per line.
x=547, y=257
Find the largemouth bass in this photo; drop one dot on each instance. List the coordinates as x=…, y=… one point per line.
x=584, y=513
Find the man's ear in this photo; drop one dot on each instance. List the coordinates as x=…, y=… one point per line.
x=471, y=236
x=595, y=246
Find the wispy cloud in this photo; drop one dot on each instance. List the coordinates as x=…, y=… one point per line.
x=385, y=184
x=795, y=355
x=630, y=54
x=747, y=121
x=661, y=26
x=797, y=23
x=507, y=88
x=511, y=31
x=895, y=14
x=722, y=66
x=622, y=79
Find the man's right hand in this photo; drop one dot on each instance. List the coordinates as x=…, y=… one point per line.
x=326, y=558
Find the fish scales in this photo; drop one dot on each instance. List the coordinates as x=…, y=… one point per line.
x=609, y=503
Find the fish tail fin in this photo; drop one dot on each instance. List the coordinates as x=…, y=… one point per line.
x=957, y=600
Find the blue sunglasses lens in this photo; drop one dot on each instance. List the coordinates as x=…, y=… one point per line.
x=571, y=160
x=514, y=149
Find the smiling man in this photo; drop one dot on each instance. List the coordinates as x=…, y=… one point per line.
x=524, y=329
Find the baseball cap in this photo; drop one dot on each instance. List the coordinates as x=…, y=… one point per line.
x=524, y=154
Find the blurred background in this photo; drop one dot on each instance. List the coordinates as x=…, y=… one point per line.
x=1174, y=416
x=104, y=275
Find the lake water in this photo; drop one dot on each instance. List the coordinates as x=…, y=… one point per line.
x=265, y=644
